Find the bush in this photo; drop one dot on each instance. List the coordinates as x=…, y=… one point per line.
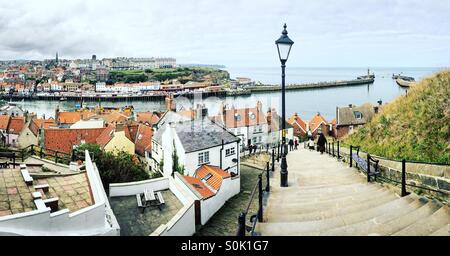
x=115, y=168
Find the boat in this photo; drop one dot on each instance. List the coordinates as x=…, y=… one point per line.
x=63, y=99
x=405, y=81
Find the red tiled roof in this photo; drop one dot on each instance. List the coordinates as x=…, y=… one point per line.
x=316, y=122
x=37, y=124
x=116, y=117
x=106, y=136
x=143, y=140
x=204, y=191
x=215, y=181
x=234, y=118
x=131, y=131
x=73, y=117
x=16, y=125
x=148, y=117
x=4, y=121
x=296, y=121
x=63, y=140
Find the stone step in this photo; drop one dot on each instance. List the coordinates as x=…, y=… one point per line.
x=374, y=226
x=427, y=225
x=323, y=194
x=299, y=208
x=444, y=231
x=315, y=227
x=331, y=213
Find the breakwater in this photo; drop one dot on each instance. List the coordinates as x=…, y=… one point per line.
x=269, y=88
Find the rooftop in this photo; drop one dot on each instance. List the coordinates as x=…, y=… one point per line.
x=202, y=134
x=16, y=196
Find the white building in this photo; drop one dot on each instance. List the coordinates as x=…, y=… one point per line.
x=249, y=124
x=87, y=220
x=199, y=143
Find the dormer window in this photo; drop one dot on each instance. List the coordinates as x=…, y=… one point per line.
x=358, y=115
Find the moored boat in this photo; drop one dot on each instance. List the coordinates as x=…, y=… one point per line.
x=405, y=82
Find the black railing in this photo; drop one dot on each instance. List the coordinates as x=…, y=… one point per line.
x=259, y=216
x=402, y=182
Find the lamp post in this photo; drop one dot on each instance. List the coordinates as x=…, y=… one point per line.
x=284, y=44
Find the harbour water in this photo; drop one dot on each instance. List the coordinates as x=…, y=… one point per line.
x=305, y=102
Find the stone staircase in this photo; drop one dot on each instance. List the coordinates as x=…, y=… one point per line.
x=326, y=197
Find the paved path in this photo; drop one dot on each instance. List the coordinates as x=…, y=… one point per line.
x=326, y=197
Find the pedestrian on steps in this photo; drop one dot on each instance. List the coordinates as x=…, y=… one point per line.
x=296, y=144
x=291, y=145
x=321, y=142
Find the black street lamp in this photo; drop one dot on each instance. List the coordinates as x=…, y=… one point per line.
x=284, y=45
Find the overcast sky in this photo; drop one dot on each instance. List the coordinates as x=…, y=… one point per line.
x=345, y=33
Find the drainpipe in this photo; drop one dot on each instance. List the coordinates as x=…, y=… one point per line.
x=221, y=152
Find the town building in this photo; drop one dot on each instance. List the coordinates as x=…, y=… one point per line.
x=319, y=124
x=350, y=118
x=66, y=139
x=274, y=122
x=115, y=140
x=300, y=126
x=249, y=124
x=197, y=143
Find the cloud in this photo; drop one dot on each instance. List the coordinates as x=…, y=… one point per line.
x=234, y=33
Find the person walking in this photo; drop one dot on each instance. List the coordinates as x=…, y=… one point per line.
x=321, y=143
x=296, y=144
x=311, y=144
x=291, y=145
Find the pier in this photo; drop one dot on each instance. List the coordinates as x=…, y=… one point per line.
x=269, y=88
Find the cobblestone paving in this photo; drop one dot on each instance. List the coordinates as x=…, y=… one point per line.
x=16, y=197
x=135, y=223
x=225, y=221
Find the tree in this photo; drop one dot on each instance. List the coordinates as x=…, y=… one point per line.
x=115, y=168
x=176, y=167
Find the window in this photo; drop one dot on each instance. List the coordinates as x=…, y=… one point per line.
x=260, y=139
x=254, y=140
x=230, y=151
x=203, y=158
x=358, y=115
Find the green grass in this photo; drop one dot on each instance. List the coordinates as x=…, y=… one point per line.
x=414, y=127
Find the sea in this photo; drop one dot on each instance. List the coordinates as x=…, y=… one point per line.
x=306, y=103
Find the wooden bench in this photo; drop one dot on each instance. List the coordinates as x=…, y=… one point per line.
x=160, y=200
x=139, y=202
x=365, y=164
x=44, y=187
x=26, y=176
x=52, y=203
x=149, y=195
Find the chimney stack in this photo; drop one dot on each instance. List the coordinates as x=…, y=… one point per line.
x=170, y=105
x=350, y=105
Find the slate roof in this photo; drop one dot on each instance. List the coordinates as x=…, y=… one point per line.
x=202, y=134
x=161, y=125
x=346, y=115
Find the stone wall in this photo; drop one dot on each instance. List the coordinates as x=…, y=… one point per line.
x=438, y=182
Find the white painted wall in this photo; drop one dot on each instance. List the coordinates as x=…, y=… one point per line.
x=133, y=188
x=230, y=187
x=88, y=221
